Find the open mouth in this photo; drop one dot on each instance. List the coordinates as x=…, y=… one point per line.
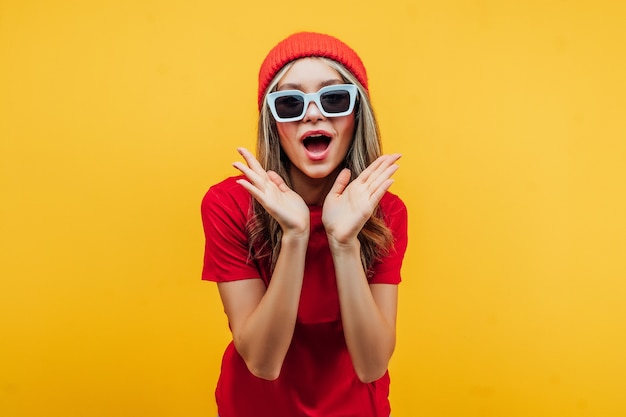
x=316, y=143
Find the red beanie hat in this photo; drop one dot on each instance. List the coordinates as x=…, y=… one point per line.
x=306, y=44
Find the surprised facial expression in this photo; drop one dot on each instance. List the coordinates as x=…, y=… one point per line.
x=315, y=145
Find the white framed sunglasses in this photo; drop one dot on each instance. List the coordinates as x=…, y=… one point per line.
x=332, y=101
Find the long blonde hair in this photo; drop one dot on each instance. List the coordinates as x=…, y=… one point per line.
x=263, y=230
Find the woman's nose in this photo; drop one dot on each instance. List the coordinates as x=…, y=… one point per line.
x=313, y=113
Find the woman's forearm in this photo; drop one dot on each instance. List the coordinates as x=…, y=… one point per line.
x=370, y=334
x=265, y=336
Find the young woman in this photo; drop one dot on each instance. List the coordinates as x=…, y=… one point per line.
x=306, y=245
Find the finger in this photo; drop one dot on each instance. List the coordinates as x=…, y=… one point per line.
x=378, y=178
x=385, y=162
x=365, y=174
x=250, y=159
x=379, y=164
x=254, y=171
x=249, y=173
x=278, y=181
x=341, y=182
x=380, y=191
x=254, y=191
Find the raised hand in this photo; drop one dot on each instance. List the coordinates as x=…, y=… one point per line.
x=349, y=205
x=270, y=190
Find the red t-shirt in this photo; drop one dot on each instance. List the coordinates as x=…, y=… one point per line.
x=317, y=378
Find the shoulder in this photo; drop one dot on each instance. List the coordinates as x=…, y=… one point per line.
x=226, y=191
x=391, y=206
x=394, y=213
x=226, y=197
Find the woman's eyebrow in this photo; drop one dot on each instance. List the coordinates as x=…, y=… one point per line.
x=296, y=86
x=289, y=86
x=334, y=81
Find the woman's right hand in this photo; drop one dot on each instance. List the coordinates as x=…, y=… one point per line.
x=262, y=317
x=270, y=190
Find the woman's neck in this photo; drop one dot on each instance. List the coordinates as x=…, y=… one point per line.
x=312, y=190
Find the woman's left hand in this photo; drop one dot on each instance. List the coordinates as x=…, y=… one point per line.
x=349, y=205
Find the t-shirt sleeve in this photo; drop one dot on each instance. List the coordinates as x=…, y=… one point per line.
x=224, y=210
x=388, y=269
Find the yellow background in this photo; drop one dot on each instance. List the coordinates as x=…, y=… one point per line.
x=116, y=116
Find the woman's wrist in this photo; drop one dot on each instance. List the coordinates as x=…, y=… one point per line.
x=294, y=236
x=344, y=246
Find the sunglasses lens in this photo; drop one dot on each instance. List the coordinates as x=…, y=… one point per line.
x=337, y=101
x=289, y=106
